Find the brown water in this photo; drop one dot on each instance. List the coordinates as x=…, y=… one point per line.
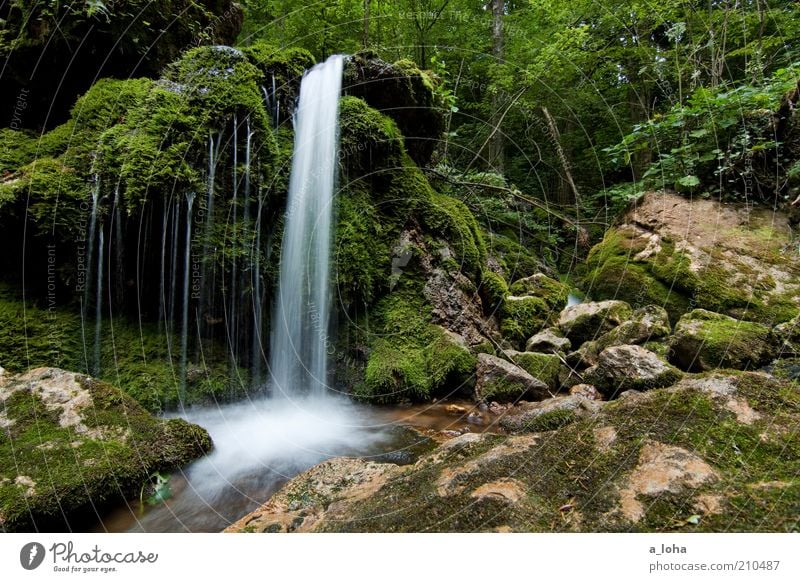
x=260, y=445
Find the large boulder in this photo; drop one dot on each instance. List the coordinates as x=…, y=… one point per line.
x=532, y=304
x=503, y=381
x=70, y=442
x=587, y=321
x=704, y=340
x=684, y=253
x=632, y=367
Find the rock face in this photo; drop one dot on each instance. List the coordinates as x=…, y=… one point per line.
x=682, y=253
x=135, y=39
x=70, y=442
x=704, y=341
x=502, y=381
x=587, y=321
x=638, y=464
x=621, y=368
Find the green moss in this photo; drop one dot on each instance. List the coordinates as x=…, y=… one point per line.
x=412, y=359
x=544, y=367
x=704, y=340
x=453, y=221
x=539, y=285
x=515, y=259
x=72, y=471
x=522, y=317
x=552, y=420
x=493, y=291
x=287, y=65
x=367, y=138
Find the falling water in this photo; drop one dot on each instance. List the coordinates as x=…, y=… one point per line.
x=119, y=249
x=98, y=306
x=173, y=270
x=90, y=262
x=298, y=350
x=234, y=300
x=187, y=275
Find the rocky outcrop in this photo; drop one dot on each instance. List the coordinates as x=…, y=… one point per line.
x=70, y=442
x=683, y=253
x=686, y=458
x=705, y=341
x=64, y=41
x=503, y=381
x=621, y=368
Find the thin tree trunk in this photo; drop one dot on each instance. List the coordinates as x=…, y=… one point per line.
x=554, y=133
x=365, y=40
x=497, y=143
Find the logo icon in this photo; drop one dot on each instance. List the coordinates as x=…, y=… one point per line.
x=31, y=555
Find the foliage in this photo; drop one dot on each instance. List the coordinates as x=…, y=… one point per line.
x=721, y=141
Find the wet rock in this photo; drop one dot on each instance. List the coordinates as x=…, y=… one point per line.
x=548, y=341
x=403, y=92
x=504, y=382
x=587, y=321
x=549, y=414
x=704, y=340
x=622, y=368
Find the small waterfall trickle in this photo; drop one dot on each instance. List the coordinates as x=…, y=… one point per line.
x=300, y=341
x=187, y=275
x=232, y=323
x=119, y=250
x=92, y=229
x=98, y=306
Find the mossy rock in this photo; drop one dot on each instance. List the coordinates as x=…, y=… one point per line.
x=72, y=442
x=493, y=291
x=587, y=321
x=368, y=140
x=544, y=367
x=630, y=367
x=704, y=340
x=403, y=92
x=503, y=381
x=553, y=292
x=698, y=254
x=414, y=359
x=522, y=317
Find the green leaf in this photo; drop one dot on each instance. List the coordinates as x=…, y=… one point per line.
x=689, y=181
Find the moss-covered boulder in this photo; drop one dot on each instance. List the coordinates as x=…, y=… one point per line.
x=681, y=254
x=501, y=381
x=632, y=367
x=543, y=367
x=587, y=321
x=704, y=340
x=532, y=304
x=403, y=92
x=714, y=453
x=70, y=443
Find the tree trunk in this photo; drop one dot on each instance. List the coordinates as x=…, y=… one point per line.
x=497, y=143
x=365, y=40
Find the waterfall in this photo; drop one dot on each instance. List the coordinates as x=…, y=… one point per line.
x=232, y=311
x=119, y=251
x=298, y=348
x=187, y=275
x=90, y=262
x=98, y=306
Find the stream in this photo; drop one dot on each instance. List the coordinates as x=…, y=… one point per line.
x=261, y=444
